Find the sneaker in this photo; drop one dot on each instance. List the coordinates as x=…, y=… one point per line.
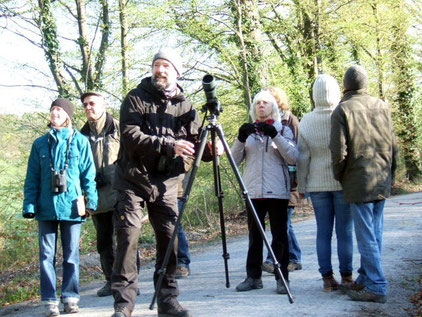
x=281, y=289
x=249, y=284
x=173, y=309
x=105, y=290
x=268, y=267
x=182, y=271
x=294, y=266
x=330, y=283
x=52, y=310
x=364, y=295
x=71, y=308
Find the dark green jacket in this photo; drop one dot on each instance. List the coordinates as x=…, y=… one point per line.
x=363, y=147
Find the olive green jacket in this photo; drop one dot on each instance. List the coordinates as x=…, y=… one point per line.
x=363, y=147
x=105, y=146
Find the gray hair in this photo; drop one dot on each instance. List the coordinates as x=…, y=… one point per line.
x=265, y=94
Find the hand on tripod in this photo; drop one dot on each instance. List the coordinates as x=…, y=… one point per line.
x=219, y=148
x=183, y=148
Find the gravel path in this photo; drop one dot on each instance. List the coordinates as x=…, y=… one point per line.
x=205, y=294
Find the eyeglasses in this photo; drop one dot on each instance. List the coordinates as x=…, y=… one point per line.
x=86, y=104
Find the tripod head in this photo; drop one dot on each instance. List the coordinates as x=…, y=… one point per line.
x=213, y=105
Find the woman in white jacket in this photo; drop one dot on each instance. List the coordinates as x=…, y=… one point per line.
x=267, y=148
x=315, y=176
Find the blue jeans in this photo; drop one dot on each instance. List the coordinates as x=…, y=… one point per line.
x=48, y=234
x=183, y=256
x=331, y=207
x=369, y=223
x=295, y=254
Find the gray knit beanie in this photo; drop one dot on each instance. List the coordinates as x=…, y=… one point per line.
x=326, y=91
x=172, y=56
x=65, y=104
x=355, y=78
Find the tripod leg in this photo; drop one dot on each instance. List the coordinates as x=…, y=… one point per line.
x=220, y=195
x=162, y=271
x=249, y=204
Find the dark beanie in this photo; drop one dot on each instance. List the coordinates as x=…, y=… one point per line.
x=355, y=78
x=65, y=104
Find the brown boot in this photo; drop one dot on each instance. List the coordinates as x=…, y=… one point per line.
x=330, y=284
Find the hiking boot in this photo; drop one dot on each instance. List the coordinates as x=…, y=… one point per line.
x=294, y=266
x=346, y=283
x=121, y=311
x=249, y=284
x=52, y=310
x=182, y=271
x=330, y=284
x=105, y=290
x=364, y=295
x=172, y=309
x=268, y=267
x=71, y=308
x=281, y=289
x=351, y=287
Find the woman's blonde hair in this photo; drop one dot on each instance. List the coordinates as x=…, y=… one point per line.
x=265, y=94
x=280, y=96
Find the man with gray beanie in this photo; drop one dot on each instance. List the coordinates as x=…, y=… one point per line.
x=158, y=134
x=364, y=157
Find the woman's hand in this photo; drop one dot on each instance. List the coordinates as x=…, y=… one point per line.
x=244, y=131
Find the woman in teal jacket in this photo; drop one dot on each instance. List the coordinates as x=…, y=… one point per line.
x=60, y=173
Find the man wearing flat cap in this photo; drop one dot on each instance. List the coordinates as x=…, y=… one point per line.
x=364, y=157
x=158, y=134
x=102, y=131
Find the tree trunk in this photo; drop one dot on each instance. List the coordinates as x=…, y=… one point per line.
x=86, y=73
x=101, y=55
x=405, y=80
x=50, y=45
x=124, y=45
x=250, y=43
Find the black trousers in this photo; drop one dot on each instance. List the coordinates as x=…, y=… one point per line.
x=103, y=223
x=277, y=212
x=162, y=216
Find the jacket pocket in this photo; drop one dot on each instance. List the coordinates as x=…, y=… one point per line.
x=139, y=177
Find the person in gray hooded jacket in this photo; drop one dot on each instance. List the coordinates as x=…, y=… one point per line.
x=267, y=149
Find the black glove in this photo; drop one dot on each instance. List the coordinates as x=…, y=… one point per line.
x=244, y=131
x=268, y=129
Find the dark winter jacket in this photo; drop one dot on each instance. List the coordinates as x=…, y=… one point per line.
x=363, y=147
x=80, y=175
x=149, y=126
x=105, y=148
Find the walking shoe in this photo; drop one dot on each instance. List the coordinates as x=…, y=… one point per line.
x=330, y=284
x=268, y=267
x=52, y=310
x=172, y=309
x=71, y=308
x=182, y=271
x=121, y=311
x=105, y=290
x=294, y=266
x=281, y=289
x=364, y=295
x=249, y=284
x=344, y=288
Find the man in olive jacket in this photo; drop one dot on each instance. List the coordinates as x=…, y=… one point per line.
x=364, y=156
x=102, y=131
x=159, y=128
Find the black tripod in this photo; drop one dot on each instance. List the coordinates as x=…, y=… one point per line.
x=216, y=129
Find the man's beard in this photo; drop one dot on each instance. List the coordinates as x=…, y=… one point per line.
x=161, y=83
